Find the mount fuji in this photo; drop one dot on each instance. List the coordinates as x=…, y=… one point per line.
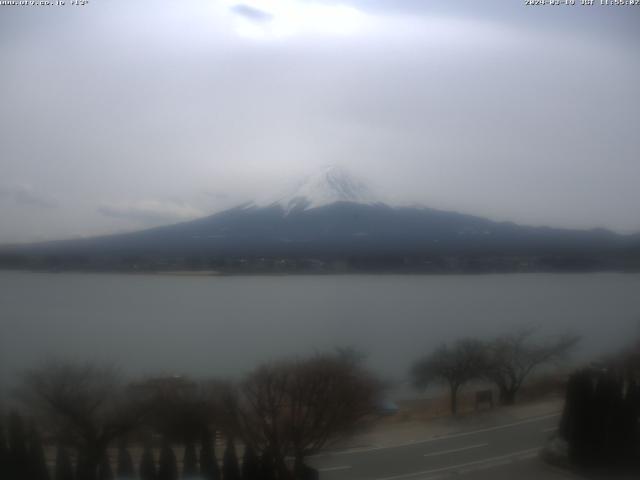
x=332, y=218
x=329, y=185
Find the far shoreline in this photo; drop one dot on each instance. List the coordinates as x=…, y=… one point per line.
x=221, y=273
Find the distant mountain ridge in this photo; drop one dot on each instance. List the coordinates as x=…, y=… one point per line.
x=334, y=216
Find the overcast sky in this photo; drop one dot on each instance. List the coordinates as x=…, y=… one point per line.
x=125, y=114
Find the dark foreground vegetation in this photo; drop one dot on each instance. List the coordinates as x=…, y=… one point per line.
x=83, y=422
x=599, y=430
x=166, y=428
x=601, y=418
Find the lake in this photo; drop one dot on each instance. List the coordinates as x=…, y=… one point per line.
x=224, y=326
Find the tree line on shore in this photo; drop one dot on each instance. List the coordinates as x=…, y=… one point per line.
x=506, y=361
x=600, y=423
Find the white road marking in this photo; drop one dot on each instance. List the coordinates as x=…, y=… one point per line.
x=525, y=455
x=443, y=437
x=491, y=460
x=547, y=430
x=455, y=450
x=334, y=469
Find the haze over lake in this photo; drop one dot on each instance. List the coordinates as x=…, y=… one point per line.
x=224, y=326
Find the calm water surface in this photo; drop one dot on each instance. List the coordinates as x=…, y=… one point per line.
x=225, y=325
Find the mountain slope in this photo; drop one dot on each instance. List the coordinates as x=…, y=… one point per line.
x=333, y=216
x=339, y=228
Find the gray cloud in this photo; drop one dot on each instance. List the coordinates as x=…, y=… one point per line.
x=251, y=13
x=597, y=21
x=25, y=195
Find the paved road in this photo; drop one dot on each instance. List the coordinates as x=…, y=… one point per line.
x=505, y=451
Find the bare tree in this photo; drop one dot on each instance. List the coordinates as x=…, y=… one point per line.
x=258, y=407
x=84, y=404
x=512, y=358
x=298, y=407
x=329, y=398
x=454, y=366
x=180, y=408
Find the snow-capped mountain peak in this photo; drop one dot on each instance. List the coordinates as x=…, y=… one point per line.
x=331, y=184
